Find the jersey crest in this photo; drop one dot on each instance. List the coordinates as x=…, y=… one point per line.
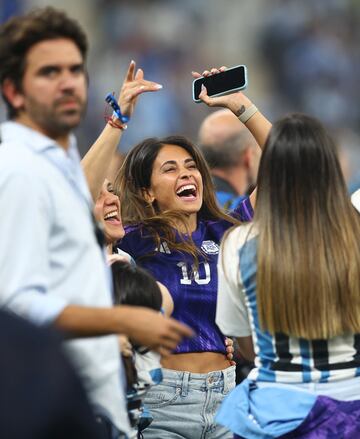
x=210, y=247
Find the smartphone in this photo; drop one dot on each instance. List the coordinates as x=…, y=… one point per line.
x=229, y=81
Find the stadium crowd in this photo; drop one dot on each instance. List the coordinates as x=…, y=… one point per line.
x=138, y=269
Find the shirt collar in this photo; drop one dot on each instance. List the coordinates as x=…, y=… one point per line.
x=67, y=161
x=17, y=132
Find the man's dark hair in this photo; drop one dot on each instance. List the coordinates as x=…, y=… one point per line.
x=20, y=33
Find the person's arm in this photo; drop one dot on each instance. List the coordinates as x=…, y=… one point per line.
x=144, y=326
x=167, y=300
x=238, y=103
x=231, y=312
x=24, y=254
x=97, y=162
x=24, y=273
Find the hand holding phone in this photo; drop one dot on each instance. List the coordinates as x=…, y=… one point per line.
x=225, y=82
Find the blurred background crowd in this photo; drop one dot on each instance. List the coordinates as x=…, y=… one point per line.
x=301, y=56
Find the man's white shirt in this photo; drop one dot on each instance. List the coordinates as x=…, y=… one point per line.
x=49, y=257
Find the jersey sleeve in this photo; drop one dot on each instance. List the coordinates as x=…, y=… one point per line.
x=231, y=311
x=244, y=210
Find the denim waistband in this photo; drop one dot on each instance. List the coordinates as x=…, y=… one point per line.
x=223, y=380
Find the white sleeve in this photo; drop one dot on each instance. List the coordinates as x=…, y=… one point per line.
x=355, y=198
x=24, y=254
x=231, y=311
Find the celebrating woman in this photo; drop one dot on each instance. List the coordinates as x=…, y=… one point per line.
x=174, y=228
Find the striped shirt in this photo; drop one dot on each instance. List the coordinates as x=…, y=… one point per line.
x=279, y=358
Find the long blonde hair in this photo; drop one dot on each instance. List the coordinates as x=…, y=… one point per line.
x=308, y=277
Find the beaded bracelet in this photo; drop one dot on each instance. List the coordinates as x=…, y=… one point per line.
x=115, y=123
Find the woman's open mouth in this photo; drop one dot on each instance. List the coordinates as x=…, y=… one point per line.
x=188, y=192
x=113, y=217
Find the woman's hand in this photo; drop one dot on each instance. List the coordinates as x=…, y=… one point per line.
x=134, y=84
x=230, y=350
x=236, y=102
x=125, y=346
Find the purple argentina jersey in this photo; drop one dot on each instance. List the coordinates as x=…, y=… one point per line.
x=194, y=293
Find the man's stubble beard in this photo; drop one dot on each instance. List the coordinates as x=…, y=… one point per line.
x=56, y=122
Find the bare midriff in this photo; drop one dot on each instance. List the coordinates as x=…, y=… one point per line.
x=196, y=362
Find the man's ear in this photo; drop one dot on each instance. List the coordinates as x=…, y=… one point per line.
x=12, y=94
x=247, y=158
x=148, y=195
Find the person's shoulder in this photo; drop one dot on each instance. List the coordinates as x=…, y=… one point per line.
x=355, y=199
x=136, y=240
x=243, y=209
x=14, y=152
x=21, y=172
x=18, y=160
x=133, y=230
x=237, y=236
x=134, y=233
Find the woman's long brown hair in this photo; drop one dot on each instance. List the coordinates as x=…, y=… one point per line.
x=308, y=276
x=135, y=176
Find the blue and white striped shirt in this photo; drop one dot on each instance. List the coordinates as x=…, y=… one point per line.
x=279, y=358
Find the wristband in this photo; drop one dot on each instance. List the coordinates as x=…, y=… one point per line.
x=249, y=112
x=116, y=123
x=109, y=98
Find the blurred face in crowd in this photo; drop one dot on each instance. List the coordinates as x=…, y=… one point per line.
x=107, y=211
x=176, y=182
x=54, y=88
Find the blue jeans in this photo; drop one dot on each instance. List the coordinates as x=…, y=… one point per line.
x=184, y=405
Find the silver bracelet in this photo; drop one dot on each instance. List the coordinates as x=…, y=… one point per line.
x=249, y=112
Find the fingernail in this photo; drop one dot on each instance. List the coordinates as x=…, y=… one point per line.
x=158, y=86
x=203, y=87
x=132, y=61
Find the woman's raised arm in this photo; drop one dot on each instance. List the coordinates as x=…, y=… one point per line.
x=243, y=109
x=102, y=158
